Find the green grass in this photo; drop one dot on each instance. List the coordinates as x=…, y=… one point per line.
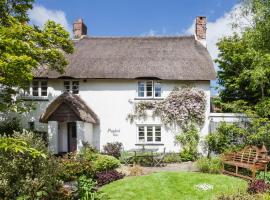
x=172, y=185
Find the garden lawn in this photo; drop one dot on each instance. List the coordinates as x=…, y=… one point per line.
x=172, y=185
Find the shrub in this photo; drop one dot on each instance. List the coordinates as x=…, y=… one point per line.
x=63, y=193
x=33, y=139
x=104, y=163
x=26, y=172
x=88, y=147
x=209, y=165
x=239, y=196
x=87, y=190
x=8, y=126
x=257, y=186
x=258, y=132
x=145, y=159
x=113, y=149
x=135, y=170
x=88, y=153
x=107, y=177
x=72, y=168
x=172, y=158
x=189, y=141
x=265, y=177
x=186, y=155
x=87, y=162
x=228, y=137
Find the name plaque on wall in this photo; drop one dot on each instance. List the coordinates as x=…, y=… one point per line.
x=115, y=131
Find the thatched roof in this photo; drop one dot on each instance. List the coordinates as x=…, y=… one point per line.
x=168, y=58
x=75, y=103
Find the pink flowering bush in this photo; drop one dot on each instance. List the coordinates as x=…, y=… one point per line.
x=183, y=106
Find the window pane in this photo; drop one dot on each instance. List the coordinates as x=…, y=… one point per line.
x=31, y=125
x=44, y=88
x=141, y=134
x=141, y=89
x=75, y=87
x=149, y=133
x=149, y=88
x=66, y=86
x=157, y=133
x=35, y=88
x=157, y=89
x=26, y=91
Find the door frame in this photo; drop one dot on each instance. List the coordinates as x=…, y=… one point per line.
x=69, y=134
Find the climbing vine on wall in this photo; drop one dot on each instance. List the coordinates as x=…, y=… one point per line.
x=182, y=107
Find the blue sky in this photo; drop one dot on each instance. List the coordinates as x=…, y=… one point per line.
x=140, y=17
x=136, y=17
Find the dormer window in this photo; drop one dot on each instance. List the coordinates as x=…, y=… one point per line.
x=72, y=86
x=149, y=89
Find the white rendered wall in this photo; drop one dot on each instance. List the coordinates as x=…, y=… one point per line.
x=80, y=134
x=84, y=133
x=63, y=137
x=109, y=99
x=53, y=136
x=88, y=133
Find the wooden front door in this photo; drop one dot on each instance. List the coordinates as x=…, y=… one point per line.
x=72, y=137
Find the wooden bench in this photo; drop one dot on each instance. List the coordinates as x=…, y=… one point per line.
x=251, y=158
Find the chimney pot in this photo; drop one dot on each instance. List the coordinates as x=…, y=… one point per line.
x=200, y=28
x=79, y=28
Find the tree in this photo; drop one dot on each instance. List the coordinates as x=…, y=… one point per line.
x=244, y=62
x=24, y=48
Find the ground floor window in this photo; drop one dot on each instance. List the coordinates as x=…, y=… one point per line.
x=31, y=126
x=149, y=133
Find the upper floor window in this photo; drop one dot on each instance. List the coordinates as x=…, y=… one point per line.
x=72, y=86
x=149, y=89
x=149, y=133
x=38, y=88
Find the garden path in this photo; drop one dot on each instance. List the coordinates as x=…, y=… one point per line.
x=171, y=167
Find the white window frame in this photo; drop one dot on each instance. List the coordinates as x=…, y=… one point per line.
x=145, y=89
x=154, y=89
x=39, y=88
x=71, y=86
x=154, y=141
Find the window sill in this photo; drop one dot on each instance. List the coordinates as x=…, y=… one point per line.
x=34, y=98
x=149, y=144
x=145, y=98
x=63, y=91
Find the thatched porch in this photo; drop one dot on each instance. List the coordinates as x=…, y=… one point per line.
x=70, y=123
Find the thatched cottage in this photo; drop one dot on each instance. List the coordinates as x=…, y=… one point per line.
x=90, y=102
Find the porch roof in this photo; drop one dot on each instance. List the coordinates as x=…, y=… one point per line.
x=75, y=103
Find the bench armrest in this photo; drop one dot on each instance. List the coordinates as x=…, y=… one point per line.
x=262, y=161
x=227, y=156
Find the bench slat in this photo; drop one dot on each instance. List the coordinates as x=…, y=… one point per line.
x=250, y=158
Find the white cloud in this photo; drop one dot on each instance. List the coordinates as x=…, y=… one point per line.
x=220, y=28
x=153, y=32
x=39, y=15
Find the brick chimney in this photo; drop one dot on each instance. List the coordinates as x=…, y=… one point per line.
x=200, y=29
x=79, y=28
